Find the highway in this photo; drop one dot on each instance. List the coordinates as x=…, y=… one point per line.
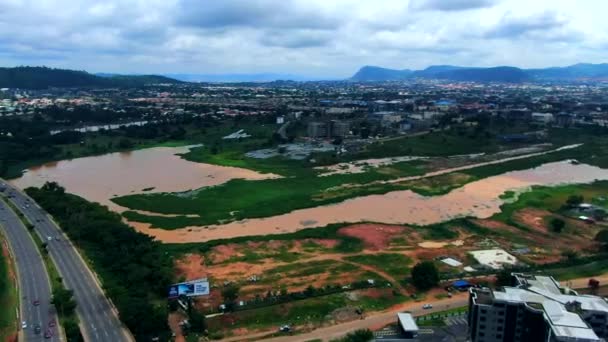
x=33, y=279
x=98, y=320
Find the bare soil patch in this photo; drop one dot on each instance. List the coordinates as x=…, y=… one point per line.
x=377, y=236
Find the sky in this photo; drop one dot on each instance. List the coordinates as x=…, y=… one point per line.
x=316, y=38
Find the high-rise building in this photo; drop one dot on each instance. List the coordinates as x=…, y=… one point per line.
x=537, y=308
x=317, y=129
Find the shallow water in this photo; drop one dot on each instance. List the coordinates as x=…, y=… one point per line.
x=102, y=177
x=477, y=199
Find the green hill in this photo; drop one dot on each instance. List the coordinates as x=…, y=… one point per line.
x=26, y=77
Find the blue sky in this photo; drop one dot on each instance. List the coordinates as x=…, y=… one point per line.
x=323, y=38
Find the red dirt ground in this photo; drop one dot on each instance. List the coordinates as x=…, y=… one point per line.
x=174, y=319
x=375, y=236
x=191, y=266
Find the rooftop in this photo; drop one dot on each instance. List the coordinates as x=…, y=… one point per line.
x=545, y=294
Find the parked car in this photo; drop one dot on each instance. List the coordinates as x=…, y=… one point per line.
x=285, y=328
x=23, y=325
x=427, y=306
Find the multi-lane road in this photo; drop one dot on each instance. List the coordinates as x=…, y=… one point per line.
x=98, y=320
x=34, y=285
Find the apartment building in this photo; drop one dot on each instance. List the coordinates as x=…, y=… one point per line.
x=536, y=308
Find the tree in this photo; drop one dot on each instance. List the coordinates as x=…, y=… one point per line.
x=599, y=214
x=570, y=254
x=557, y=224
x=125, y=144
x=230, y=293
x=63, y=299
x=504, y=278
x=574, y=200
x=602, y=236
x=425, y=275
x=197, y=322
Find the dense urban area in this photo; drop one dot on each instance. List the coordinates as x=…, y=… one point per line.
x=407, y=208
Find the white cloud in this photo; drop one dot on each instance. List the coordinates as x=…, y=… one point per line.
x=310, y=37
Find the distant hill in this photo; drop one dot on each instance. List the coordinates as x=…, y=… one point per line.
x=43, y=77
x=372, y=73
x=496, y=74
x=572, y=72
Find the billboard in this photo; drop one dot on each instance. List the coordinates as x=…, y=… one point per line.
x=192, y=288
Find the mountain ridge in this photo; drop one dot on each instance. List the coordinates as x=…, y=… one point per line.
x=507, y=74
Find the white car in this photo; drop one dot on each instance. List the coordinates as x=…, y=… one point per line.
x=23, y=325
x=50, y=238
x=427, y=306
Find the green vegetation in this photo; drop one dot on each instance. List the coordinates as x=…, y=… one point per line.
x=43, y=77
x=425, y=275
x=134, y=271
x=580, y=270
x=393, y=264
x=554, y=199
x=8, y=299
x=557, y=224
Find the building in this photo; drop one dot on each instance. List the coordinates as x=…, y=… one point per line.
x=340, y=128
x=317, y=130
x=406, y=330
x=330, y=129
x=537, y=308
x=544, y=118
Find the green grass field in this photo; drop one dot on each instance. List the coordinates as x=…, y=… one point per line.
x=396, y=265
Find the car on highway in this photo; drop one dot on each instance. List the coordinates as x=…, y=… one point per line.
x=427, y=306
x=50, y=238
x=52, y=323
x=37, y=329
x=24, y=325
x=36, y=302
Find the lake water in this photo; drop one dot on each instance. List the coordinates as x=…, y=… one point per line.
x=100, y=178
x=477, y=199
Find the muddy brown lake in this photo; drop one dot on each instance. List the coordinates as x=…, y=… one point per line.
x=479, y=199
x=161, y=169
x=158, y=169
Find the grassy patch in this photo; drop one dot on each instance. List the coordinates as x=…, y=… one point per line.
x=393, y=264
x=580, y=271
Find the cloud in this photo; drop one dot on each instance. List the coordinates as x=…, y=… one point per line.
x=253, y=13
x=296, y=39
x=311, y=37
x=514, y=27
x=450, y=5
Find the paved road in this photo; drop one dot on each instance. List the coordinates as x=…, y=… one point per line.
x=32, y=276
x=98, y=320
